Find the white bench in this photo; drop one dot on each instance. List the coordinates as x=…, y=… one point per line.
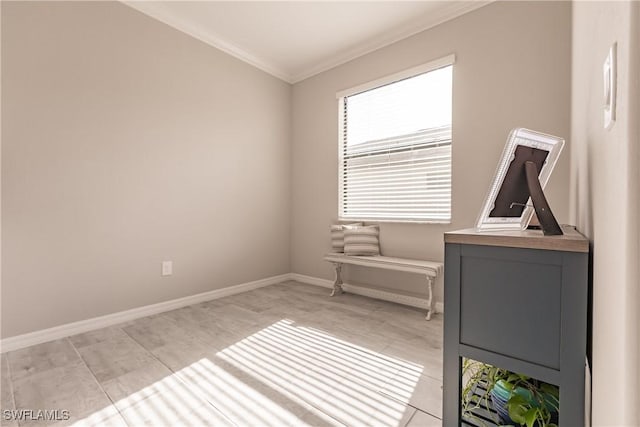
x=429, y=268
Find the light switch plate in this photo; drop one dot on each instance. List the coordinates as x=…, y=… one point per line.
x=609, y=70
x=167, y=268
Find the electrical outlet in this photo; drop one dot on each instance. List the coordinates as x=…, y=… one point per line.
x=167, y=268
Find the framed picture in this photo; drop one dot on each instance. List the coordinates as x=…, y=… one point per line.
x=508, y=205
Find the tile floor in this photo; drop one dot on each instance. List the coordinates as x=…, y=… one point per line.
x=283, y=355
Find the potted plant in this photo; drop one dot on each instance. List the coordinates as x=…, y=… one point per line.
x=519, y=400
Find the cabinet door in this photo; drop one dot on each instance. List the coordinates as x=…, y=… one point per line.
x=510, y=302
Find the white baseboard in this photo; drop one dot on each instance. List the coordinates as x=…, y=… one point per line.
x=369, y=292
x=57, y=332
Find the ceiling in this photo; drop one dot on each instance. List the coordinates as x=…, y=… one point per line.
x=293, y=40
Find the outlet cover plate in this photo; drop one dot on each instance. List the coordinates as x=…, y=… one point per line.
x=167, y=268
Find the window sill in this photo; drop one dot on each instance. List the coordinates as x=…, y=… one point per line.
x=395, y=221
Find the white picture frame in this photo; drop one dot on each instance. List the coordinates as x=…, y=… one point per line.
x=508, y=205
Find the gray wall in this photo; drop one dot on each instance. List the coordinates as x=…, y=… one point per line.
x=125, y=143
x=605, y=200
x=513, y=64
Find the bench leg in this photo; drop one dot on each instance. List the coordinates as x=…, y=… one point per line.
x=430, y=310
x=337, y=284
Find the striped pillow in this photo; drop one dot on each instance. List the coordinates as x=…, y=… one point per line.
x=337, y=236
x=361, y=240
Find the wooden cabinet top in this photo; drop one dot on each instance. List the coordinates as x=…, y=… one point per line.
x=570, y=241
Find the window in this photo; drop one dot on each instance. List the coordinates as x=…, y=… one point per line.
x=395, y=147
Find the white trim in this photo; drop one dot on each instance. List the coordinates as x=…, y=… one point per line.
x=401, y=75
x=204, y=35
x=394, y=221
x=37, y=337
x=44, y=335
x=369, y=292
x=341, y=143
x=453, y=10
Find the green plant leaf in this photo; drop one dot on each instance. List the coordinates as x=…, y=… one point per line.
x=531, y=416
x=530, y=402
x=550, y=389
x=507, y=385
x=517, y=407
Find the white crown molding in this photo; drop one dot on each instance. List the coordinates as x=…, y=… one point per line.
x=453, y=10
x=450, y=11
x=369, y=292
x=44, y=335
x=151, y=9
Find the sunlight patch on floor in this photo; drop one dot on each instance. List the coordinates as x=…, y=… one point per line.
x=168, y=402
x=106, y=417
x=330, y=374
x=284, y=374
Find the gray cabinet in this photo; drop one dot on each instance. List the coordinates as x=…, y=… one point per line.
x=517, y=300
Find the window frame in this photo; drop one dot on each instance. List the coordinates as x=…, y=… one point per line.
x=445, y=61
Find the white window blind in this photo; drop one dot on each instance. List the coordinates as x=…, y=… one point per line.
x=395, y=150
